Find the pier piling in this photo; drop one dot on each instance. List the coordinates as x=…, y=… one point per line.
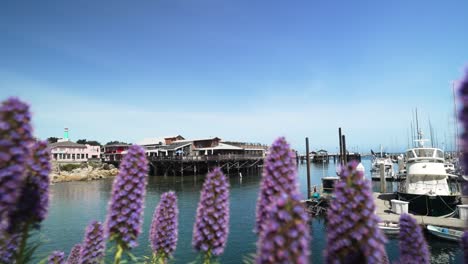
x=383, y=183
x=308, y=167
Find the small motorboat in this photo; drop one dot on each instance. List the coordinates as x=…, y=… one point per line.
x=445, y=233
x=389, y=228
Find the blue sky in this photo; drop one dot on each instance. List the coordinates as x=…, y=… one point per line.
x=240, y=70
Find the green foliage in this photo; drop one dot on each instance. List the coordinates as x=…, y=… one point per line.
x=89, y=142
x=69, y=167
x=52, y=140
x=115, y=142
x=249, y=259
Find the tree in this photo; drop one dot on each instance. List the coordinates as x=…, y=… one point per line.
x=52, y=140
x=89, y=142
x=115, y=142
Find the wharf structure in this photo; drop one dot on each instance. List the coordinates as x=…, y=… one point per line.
x=175, y=155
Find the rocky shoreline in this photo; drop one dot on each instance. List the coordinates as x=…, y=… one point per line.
x=83, y=172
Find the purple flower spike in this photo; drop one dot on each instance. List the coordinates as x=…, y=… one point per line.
x=463, y=116
x=57, y=257
x=74, y=257
x=464, y=242
x=353, y=235
x=15, y=140
x=413, y=246
x=212, y=223
x=33, y=202
x=124, y=216
x=9, y=247
x=279, y=176
x=163, y=233
x=94, y=244
x=286, y=236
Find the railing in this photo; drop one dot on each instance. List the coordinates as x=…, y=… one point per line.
x=206, y=158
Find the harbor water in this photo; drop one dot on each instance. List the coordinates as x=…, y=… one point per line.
x=75, y=204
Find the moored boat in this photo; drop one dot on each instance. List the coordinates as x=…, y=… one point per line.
x=445, y=233
x=389, y=228
x=426, y=186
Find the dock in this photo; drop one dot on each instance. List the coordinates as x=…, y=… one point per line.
x=383, y=211
x=317, y=207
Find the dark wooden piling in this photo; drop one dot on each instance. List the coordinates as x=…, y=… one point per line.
x=345, y=154
x=308, y=167
x=383, y=182
x=340, y=158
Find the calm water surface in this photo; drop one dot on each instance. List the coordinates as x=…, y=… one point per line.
x=74, y=205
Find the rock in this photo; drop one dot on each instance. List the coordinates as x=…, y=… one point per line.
x=85, y=173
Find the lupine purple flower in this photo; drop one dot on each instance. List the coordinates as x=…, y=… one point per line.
x=279, y=176
x=94, y=244
x=33, y=202
x=57, y=257
x=463, y=92
x=285, y=236
x=212, y=222
x=124, y=216
x=413, y=246
x=74, y=257
x=353, y=235
x=163, y=233
x=15, y=140
x=9, y=247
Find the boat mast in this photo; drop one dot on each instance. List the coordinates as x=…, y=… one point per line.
x=431, y=132
x=455, y=123
x=417, y=124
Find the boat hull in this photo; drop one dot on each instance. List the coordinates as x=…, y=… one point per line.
x=389, y=229
x=438, y=205
x=445, y=233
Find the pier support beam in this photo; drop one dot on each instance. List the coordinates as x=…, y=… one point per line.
x=383, y=183
x=308, y=167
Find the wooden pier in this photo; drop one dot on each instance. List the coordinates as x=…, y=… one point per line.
x=195, y=165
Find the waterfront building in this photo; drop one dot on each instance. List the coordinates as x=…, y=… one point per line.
x=177, y=146
x=113, y=152
x=66, y=151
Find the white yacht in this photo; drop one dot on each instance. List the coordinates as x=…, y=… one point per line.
x=388, y=167
x=426, y=185
x=379, y=159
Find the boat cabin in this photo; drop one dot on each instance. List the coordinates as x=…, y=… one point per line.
x=425, y=155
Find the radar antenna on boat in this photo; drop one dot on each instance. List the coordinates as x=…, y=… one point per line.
x=420, y=141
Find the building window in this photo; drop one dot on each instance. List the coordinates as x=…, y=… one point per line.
x=73, y=156
x=82, y=156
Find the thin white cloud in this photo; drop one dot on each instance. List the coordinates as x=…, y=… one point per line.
x=366, y=123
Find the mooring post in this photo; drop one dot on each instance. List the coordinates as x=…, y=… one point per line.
x=383, y=183
x=340, y=157
x=345, y=155
x=308, y=167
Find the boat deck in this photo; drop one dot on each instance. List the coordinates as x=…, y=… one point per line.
x=382, y=202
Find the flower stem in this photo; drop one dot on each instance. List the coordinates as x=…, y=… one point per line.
x=207, y=259
x=118, y=253
x=22, y=248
